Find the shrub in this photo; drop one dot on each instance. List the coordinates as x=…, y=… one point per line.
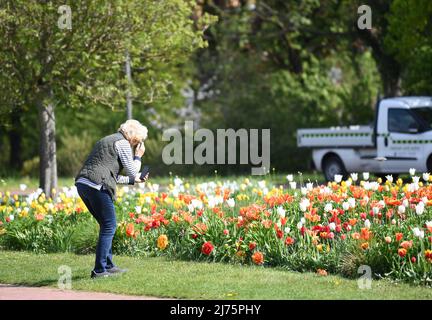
x=72, y=152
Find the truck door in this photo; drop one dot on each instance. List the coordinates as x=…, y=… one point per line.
x=402, y=144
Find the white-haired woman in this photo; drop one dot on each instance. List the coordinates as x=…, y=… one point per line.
x=96, y=185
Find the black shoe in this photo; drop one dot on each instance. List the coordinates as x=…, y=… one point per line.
x=116, y=270
x=105, y=274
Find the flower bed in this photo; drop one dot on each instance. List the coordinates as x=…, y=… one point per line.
x=333, y=228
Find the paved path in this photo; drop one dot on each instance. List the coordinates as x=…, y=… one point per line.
x=15, y=292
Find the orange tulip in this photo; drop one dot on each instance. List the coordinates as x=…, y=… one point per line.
x=322, y=272
x=399, y=236
x=130, y=230
x=365, y=245
x=258, y=258
x=406, y=244
x=428, y=255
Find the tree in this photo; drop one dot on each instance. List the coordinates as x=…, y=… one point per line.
x=46, y=63
x=410, y=40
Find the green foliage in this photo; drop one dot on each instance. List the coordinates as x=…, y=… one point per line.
x=73, y=151
x=30, y=167
x=271, y=68
x=410, y=38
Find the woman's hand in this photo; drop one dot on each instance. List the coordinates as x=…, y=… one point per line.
x=138, y=179
x=140, y=149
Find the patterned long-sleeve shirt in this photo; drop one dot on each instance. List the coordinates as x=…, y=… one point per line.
x=131, y=165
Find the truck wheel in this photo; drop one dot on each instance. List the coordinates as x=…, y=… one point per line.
x=429, y=164
x=333, y=165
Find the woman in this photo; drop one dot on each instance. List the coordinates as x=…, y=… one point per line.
x=96, y=185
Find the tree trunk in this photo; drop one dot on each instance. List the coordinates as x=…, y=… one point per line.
x=392, y=85
x=15, y=139
x=128, y=93
x=47, y=148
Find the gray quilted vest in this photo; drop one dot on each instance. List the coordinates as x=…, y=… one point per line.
x=103, y=164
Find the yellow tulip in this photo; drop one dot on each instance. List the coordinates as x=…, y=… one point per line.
x=162, y=242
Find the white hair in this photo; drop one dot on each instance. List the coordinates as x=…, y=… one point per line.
x=133, y=130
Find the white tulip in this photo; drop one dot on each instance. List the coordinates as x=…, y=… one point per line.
x=293, y=185
x=365, y=175
x=389, y=178
x=367, y=223
x=418, y=233
x=419, y=208
x=351, y=202
x=346, y=205
x=354, y=176
x=178, y=182
x=304, y=204
x=332, y=226
x=290, y=177
x=197, y=203
x=401, y=209
x=211, y=202
x=426, y=176
x=231, y=202
x=304, y=191
x=405, y=202
x=328, y=207
x=23, y=187
x=219, y=200
x=281, y=212
x=287, y=230
x=338, y=178
x=412, y=171
x=12, y=217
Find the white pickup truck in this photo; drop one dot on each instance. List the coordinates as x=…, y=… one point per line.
x=399, y=139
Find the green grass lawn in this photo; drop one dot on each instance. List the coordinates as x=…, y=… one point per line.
x=192, y=280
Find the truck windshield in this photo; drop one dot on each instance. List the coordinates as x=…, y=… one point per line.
x=424, y=115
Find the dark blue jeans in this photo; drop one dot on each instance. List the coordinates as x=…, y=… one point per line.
x=101, y=206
